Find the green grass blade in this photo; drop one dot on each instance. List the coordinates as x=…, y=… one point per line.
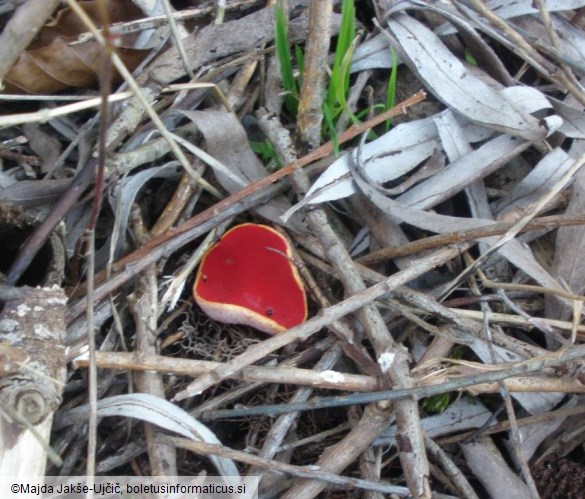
x=391, y=91
x=344, y=72
x=281, y=41
x=469, y=58
x=340, y=81
x=264, y=148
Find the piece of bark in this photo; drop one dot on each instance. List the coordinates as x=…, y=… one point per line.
x=33, y=324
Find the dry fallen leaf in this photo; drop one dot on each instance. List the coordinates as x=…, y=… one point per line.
x=162, y=413
x=569, y=264
x=57, y=60
x=463, y=88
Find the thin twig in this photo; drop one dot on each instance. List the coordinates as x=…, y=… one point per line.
x=498, y=228
x=92, y=369
x=308, y=328
x=170, y=241
x=510, y=234
x=530, y=366
x=154, y=22
x=298, y=471
x=488, y=283
x=310, y=116
x=177, y=39
x=105, y=90
x=501, y=318
x=84, y=103
x=332, y=380
x=451, y=469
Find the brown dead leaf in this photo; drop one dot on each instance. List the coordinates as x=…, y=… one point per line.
x=56, y=60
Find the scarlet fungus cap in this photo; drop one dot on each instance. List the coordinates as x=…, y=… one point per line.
x=248, y=278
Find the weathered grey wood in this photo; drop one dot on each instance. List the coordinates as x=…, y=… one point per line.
x=33, y=369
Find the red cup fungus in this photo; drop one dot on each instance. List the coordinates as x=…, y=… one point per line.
x=248, y=277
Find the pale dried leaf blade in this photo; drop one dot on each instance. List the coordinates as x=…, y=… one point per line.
x=486, y=463
x=392, y=155
x=570, y=39
x=452, y=137
x=123, y=196
x=573, y=119
x=401, y=212
x=535, y=185
x=462, y=172
x=569, y=260
x=508, y=9
x=461, y=415
x=372, y=54
x=457, y=85
x=161, y=413
x=227, y=142
x=531, y=436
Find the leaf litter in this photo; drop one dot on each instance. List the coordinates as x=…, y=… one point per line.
x=507, y=128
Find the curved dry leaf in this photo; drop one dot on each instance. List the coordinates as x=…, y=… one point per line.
x=123, y=196
x=33, y=193
x=390, y=156
x=531, y=436
x=406, y=146
x=456, y=85
x=162, y=413
x=57, y=60
x=506, y=9
x=372, y=54
x=570, y=39
x=376, y=53
x=534, y=185
x=457, y=175
x=517, y=254
x=573, y=119
x=227, y=142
